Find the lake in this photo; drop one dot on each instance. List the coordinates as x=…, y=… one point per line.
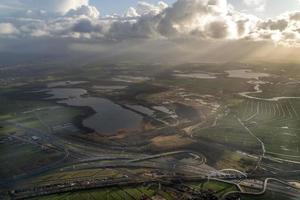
x=109, y=117
x=64, y=83
x=246, y=74
x=196, y=75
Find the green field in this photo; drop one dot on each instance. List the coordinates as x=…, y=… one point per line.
x=112, y=194
x=129, y=193
x=17, y=158
x=219, y=188
x=57, y=176
x=277, y=124
x=23, y=118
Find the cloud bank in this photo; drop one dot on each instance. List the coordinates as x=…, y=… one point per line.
x=193, y=28
x=199, y=19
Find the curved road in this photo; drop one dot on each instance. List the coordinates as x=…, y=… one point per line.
x=265, y=187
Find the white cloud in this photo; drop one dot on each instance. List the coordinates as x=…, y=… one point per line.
x=62, y=6
x=258, y=5
x=131, y=12
x=144, y=8
x=7, y=29
x=198, y=19
x=84, y=10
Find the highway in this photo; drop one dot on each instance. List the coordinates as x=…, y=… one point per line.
x=231, y=176
x=264, y=189
x=192, y=153
x=90, y=183
x=100, y=183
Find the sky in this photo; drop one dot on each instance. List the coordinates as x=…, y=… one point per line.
x=119, y=6
x=197, y=29
x=272, y=7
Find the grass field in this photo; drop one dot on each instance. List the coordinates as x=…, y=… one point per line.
x=58, y=177
x=277, y=124
x=112, y=194
x=20, y=120
x=219, y=188
x=268, y=196
x=17, y=158
x=219, y=86
x=126, y=193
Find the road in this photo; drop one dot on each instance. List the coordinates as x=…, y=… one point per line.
x=192, y=153
x=258, y=139
x=89, y=183
x=98, y=184
x=264, y=152
x=128, y=162
x=264, y=189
